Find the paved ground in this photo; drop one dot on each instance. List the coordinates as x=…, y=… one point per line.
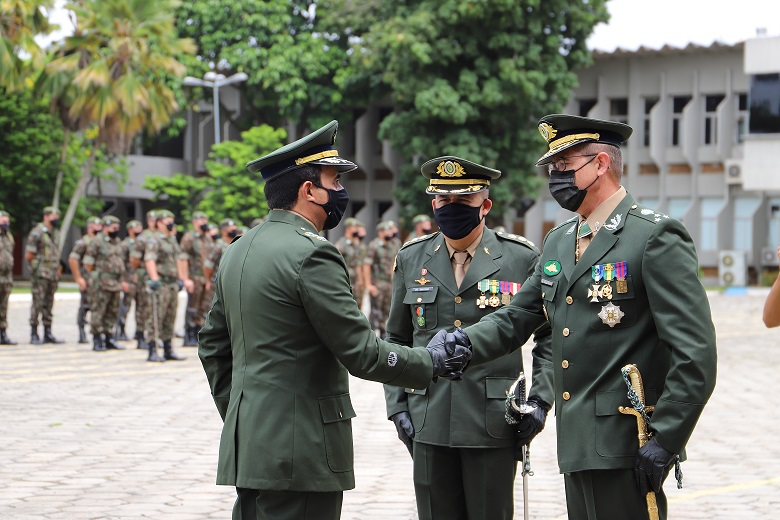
x=88, y=435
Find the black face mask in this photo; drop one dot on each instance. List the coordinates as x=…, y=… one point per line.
x=564, y=190
x=113, y=234
x=427, y=229
x=388, y=238
x=204, y=227
x=3, y=227
x=169, y=226
x=232, y=234
x=457, y=220
x=335, y=207
x=54, y=222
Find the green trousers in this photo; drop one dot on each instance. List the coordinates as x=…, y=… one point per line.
x=607, y=495
x=464, y=483
x=257, y=504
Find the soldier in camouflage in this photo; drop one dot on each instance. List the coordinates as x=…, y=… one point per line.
x=6, y=274
x=379, y=272
x=144, y=303
x=165, y=269
x=195, y=249
x=105, y=261
x=353, y=250
x=422, y=226
x=229, y=231
x=42, y=252
x=132, y=294
x=76, y=263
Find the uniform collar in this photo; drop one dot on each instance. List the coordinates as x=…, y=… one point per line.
x=471, y=248
x=290, y=217
x=599, y=215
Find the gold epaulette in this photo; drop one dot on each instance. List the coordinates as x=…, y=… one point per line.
x=517, y=238
x=419, y=239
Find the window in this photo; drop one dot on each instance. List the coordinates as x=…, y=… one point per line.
x=710, y=118
x=742, y=117
x=678, y=207
x=678, y=104
x=744, y=209
x=618, y=110
x=585, y=106
x=649, y=104
x=709, y=209
x=650, y=202
x=773, y=240
x=765, y=104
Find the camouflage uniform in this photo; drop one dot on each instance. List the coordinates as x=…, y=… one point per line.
x=143, y=299
x=381, y=256
x=164, y=252
x=133, y=294
x=354, y=253
x=195, y=248
x=44, y=245
x=6, y=276
x=217, y=250
x=77, y=253
x=105, y=254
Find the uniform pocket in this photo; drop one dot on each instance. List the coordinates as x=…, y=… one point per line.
x=549, y=288
x=336, y=412
x=417, y=401
x=616, y=433
x=621, y=306
x=495, y=397
x=422, y=302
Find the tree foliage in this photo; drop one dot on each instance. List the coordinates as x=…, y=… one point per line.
x=20, y=22
x=466, y=78
x=229, y=190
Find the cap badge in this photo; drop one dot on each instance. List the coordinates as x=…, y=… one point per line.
x=547, y=131
x=450, y=169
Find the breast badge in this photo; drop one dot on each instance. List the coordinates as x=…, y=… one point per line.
x=611, y=314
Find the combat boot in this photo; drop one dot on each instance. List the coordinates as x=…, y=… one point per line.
x=120, y=330
x=34, y=339
x=139, y=337
x=97, y=343
x=4, y=339
x=168, y=352
x=49, y=338
x=110, y=344
x=190, y=336
x=153, y=352
x=82, y=335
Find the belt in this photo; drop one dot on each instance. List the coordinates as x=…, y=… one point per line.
x=112, y=276
x=168, y=279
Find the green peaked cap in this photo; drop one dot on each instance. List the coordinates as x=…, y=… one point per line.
x=453, y=175
x=562, y=131
x=315, y=148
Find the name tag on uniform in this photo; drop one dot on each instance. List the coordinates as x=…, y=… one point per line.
x=547, y=282
x=422, y=289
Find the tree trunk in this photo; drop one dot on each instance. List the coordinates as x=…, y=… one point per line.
x=86, y=169
x=63, y=156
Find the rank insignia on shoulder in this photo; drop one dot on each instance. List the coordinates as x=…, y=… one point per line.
x=315, y=235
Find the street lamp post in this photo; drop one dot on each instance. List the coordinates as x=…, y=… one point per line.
x=214, y=81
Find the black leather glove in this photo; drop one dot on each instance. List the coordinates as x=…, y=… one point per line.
x=405, y=428
x=450, y=353
x=153, y=285
x=652, y=466
x=530, y=424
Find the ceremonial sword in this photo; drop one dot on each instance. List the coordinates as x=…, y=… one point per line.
x=516, y=399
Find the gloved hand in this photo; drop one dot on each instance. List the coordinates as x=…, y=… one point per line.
x=450, y=353
x=652, y=466
x=179, y=284
x=529, y=424
x=153, y=285
x=405, y=428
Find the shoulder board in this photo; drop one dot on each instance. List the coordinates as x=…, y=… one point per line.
x=419, y=239
x=648, y=214
x=516, y=238
x=311, y=235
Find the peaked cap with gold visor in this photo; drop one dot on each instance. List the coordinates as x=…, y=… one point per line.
x=563, y=131
x=450, y=175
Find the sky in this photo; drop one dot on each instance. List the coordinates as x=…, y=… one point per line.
x=649, y=23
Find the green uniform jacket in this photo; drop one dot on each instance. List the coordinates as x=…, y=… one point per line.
x=666, y=330
x=277, y=345
x=467, y=413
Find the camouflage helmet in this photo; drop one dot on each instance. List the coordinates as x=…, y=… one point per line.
x=199, y=214
x=4, y=214
x=226, y=223
x=151, y=215
x=110, y=219
x=352, y=221
x=49, y=210
x=163, y=214
x=419, y=219
x=132, y=224
x=95, y=220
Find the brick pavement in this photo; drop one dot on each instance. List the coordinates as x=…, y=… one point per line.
x=86, y=435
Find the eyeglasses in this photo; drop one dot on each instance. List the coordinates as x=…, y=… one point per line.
x=559, y=164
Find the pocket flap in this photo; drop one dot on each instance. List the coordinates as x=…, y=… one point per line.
x=548, y=289
x=415, y=391
x=607, y=403
x=336, y=408
x=415, y=295
x=497, y=387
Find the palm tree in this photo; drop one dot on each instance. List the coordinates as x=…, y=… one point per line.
x=113, y=75
x=20, y=22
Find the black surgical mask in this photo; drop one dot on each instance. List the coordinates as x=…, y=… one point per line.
x=232, y=234
x=457, y=220
x=335, y=207
x=4, y=227
x=426, y=229
x=54, y=222
x=204, y=227
x=169, y=226
x=564, y=190
x=388, y=238
x=113, y=234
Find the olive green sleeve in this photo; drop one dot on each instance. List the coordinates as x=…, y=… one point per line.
x=400, y=331
x=216, y=355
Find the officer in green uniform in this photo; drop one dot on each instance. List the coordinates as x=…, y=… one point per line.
x=353, y=250
x=282, y=337
x=85, y=282
x=421, y=227
x=167, y=274
x=137, y=263
x=619, y=286
x=195, y=248
x=104, y=260
x=132, y=294
x=42, y=252
x=6, y=274
x=464, y=464
x=378, y=272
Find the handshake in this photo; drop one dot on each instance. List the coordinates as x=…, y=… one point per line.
x=450, y=353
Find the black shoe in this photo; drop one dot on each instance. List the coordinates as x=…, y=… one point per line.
x=153, y=352
x=190, y=337
x=34, y=339
x=168, y=352
x=97, y=343
x=49, y=338
x=110, y=345
x=82, y=336
x=4, y=339
x=139, y=337
x=120, y=332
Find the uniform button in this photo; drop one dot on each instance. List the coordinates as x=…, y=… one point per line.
x=633, y=207
x=458, y=299
x=566, y=396
x=569, y=300
x=565, y=363
x=457, y=323
x=566, y=331
x=419, y=300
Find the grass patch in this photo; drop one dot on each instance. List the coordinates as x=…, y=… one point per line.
x=26, y=290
